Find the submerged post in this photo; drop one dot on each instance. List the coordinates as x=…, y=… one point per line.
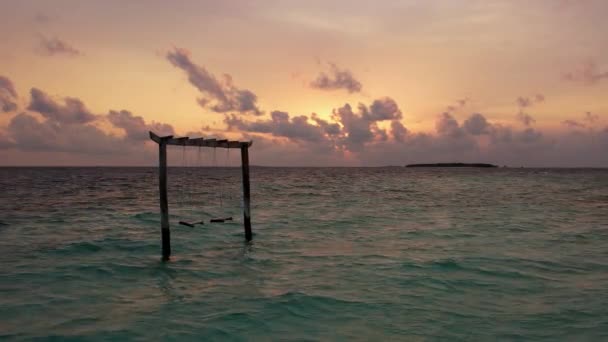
x=164, y=205
x=246, y=191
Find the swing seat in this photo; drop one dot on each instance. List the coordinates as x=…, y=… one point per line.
x=220, y=220
x=184, y=223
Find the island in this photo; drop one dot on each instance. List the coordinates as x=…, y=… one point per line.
x=452, y=165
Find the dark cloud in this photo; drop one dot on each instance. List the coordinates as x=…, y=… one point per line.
x=573, y=124
x=356, y=128
x=476, y=124
x=525, y=118
x=530, y=135
x=72, y=111
x=588, y=120
x=460, y=103
x=52, y=46
x=398, y=131
x=500, y=134
x=135, y=127
x=447, y=125
x=350, y=129
x=591, y=117
x=69, y=127
x=337, y=79
x=361, y=127
x=5, y=142
x=524, y=102
x=220, y=96
x=8, y=95
x=42, y=18
x=298, y=128
x=587, y=73
x=352, y=136
x=382, y=109
x=29, y=134
x=451, y=131
x=331, y=129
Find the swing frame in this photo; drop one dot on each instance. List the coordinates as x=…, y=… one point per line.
x=163, y=142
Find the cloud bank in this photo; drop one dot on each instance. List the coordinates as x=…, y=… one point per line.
x=353, y=134
x=67, y=125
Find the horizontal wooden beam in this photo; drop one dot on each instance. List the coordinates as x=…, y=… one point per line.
x=157, y=138
x=186, y=141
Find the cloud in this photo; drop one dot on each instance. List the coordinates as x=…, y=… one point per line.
x=29, y=134
x=447, y=125
x=573, y=124
x=524, y=102
x=297, y=128
x=135, y=127
x=220, y=96
x=72, y=111
x=591, y=117
x=525, y=118
x=530, y=135
x=5, y=142
x=350, y=130
x=360, y=128
x=500, y=134
x=588, y=120
x=8, y=95
x=383, y=109
x=398, y=131
x=69, y=127
x=331, y=129
x=476, y=124
x=586, y=73
x=336, y=79
x=460, y=103
x=42, y=18
x=354, y=135
x=53, y=46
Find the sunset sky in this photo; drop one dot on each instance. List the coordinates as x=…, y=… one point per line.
x=319, y=83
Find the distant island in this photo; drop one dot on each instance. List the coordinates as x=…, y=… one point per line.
x=452, y=165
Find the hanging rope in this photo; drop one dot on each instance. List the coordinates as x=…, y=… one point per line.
x=227, y=164
x=215, y=166
x=198, y=170
x=182, y=178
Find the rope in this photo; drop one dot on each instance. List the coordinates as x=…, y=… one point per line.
x=182, y=178
x=215, y=165
x=198, y=166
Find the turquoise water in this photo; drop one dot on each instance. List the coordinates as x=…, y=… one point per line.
x=338, y=254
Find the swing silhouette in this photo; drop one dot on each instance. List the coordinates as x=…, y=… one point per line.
x=163, y=142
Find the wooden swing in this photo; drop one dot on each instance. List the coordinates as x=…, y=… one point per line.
x=165, y=141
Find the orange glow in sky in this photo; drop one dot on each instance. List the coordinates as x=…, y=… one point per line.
x=315, y=57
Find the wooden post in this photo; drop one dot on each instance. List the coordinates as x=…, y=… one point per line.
x=164, y=205
x=246, y=191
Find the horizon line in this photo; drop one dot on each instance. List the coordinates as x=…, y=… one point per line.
x=292, y=166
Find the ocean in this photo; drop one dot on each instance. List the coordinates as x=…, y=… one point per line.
x=357, y=254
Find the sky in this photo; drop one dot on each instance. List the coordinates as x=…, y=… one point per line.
x=311, y=83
